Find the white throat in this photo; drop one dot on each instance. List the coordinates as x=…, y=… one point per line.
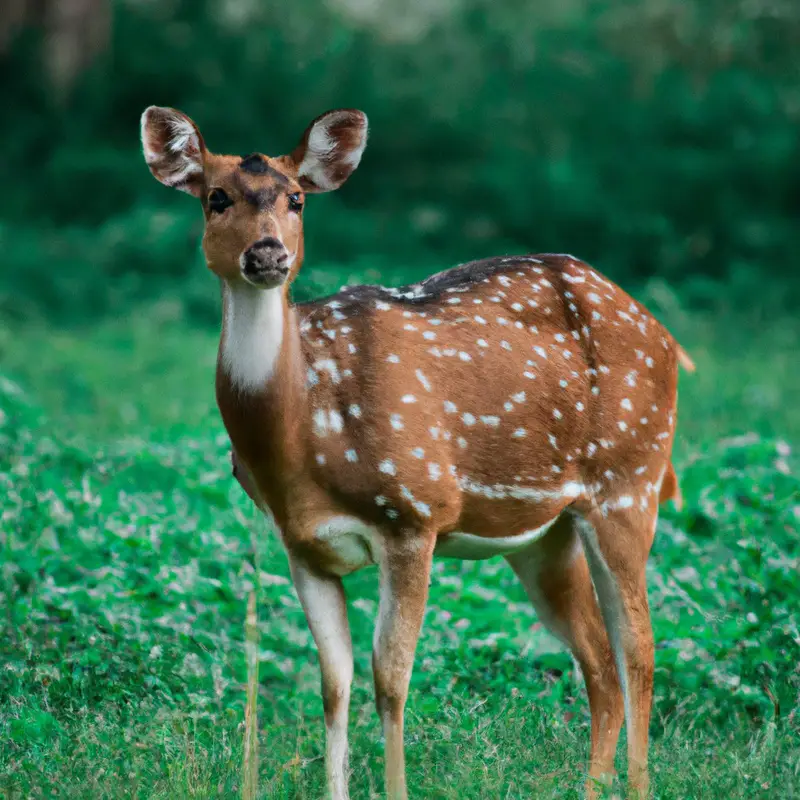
x=253, y=334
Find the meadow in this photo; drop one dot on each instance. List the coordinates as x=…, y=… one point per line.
x=657, y=139
x=129, y=553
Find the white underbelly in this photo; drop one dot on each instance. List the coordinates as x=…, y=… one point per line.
x=469, y=547
x=354, y=544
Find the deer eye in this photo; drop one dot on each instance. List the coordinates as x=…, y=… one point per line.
x=295, y=202
x=218, y=201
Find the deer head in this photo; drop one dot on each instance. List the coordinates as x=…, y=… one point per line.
x=253, y=205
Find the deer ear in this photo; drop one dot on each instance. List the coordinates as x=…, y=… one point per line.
x=330, y=149
x=173, y=149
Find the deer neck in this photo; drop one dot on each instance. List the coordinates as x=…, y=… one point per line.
x=257, y=324
x=260, y=386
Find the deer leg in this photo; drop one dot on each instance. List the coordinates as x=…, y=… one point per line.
x=246, y=480
x=617, y=543
x=405, y=574
x=555, y=574
x=324, y=604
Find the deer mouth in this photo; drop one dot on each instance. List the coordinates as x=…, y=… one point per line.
x=266, y=265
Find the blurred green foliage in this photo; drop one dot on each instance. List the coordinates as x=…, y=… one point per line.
x=651, y=137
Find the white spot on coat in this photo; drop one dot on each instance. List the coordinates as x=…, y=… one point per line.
x=426, y=384
x=335, y=420
x=388, y=467
x=320, y=420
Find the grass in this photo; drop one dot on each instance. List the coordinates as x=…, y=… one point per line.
x=128, y=561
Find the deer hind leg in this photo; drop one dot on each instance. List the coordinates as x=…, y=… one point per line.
x=617, y=542
x=405, y=567
x=556, y=577
x=323, y=601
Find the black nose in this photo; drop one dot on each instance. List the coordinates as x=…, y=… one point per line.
x=266, y=257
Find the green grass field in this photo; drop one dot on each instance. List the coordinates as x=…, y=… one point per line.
x=127, y=561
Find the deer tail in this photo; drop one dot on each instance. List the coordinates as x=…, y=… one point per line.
x=670, y=488
x=683, y=359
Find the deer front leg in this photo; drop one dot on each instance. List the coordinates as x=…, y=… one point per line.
x=405, y=574
x=323, y=601
x=245, y=479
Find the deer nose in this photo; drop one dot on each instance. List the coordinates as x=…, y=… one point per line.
x=266, y=261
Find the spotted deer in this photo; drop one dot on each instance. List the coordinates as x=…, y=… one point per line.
x=518, y=406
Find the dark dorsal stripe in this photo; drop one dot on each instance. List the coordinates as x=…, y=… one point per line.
x=433, y=288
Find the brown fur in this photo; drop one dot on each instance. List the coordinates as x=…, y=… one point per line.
x=491, y=399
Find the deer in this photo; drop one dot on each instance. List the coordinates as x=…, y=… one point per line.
x=521, y=406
